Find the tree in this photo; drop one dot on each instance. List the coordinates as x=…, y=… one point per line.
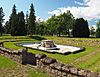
x=60, y=24
x=7, y=27
x=80, y=28
x=26, y=22
x=31, y=22
x=16, y=24
x=41, y=28
x=14, y=21
x=92, y=30
x=21, y=27
x=98, y=29
x=67, y=21
x=52, y=25
x=1, y=20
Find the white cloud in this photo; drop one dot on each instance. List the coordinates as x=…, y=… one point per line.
x=57, y=12
x=94, y=27
x=39, y=19
x=90, y=10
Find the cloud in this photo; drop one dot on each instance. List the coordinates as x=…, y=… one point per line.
x=39, y=19
x=89, y=10
x=84, y=3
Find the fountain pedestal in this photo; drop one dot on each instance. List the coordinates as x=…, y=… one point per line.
x=47, y=44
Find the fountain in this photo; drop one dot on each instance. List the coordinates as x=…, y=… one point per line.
x=49, y=46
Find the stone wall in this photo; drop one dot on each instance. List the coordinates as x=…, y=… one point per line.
x=16, y=56
x=57, y=69
x=21, y=56
x=46, y=64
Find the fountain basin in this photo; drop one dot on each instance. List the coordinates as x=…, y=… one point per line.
x=62, y=49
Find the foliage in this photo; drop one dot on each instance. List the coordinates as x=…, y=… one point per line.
x=67, y=22
x=92, y=30
x=31, y=22
x=52, y=25
x=26, y=21
x=13, y=20
x=21, y=27
x=1, y=20
x=41, y=28
x=98, y=29
x=60, y=24
x=16, y=24
x=80, y=28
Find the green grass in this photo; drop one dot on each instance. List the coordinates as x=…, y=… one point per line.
x=10, y=68
x=88, y=59
x=6, y=63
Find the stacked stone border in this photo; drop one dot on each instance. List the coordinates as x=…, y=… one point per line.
x=46, y=64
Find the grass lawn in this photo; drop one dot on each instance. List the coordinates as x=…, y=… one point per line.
x=9, y=68
x=88, y=59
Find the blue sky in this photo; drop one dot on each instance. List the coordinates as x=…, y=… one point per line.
x=87, y=9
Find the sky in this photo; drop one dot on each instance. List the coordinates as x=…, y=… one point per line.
x=88, y=9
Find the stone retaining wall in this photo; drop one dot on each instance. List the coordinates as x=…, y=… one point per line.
x=16, y=56
x=21, y=56
x=47, y=64
x=57, y=69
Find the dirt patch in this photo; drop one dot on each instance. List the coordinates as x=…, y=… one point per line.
x=18, y=71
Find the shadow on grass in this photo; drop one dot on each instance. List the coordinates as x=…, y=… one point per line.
x=38, y=38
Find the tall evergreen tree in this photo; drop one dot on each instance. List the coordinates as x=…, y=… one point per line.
x=98, y=29
x=21, y=27
x=7, y=28
x=31, y=22
x=14, y=21
x=80, y=28
x=1, y=20
x=26, y=21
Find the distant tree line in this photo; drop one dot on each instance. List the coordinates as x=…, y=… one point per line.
x=18, y=26
x=63, y=24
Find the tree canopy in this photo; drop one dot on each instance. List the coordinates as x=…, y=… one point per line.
x=62, y=24
x=31, y=22
x=80, y=28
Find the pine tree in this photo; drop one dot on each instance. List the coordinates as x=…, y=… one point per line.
x=80, y=28
x=98, y=29
x=1, y=20
x=26, y=22
x=31, y=22
x=13, y=20
x=21, y=27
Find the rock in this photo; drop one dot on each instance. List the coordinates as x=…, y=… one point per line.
x=92, y=74
x=47, y=44
x=48, y=60
x=40, y=56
